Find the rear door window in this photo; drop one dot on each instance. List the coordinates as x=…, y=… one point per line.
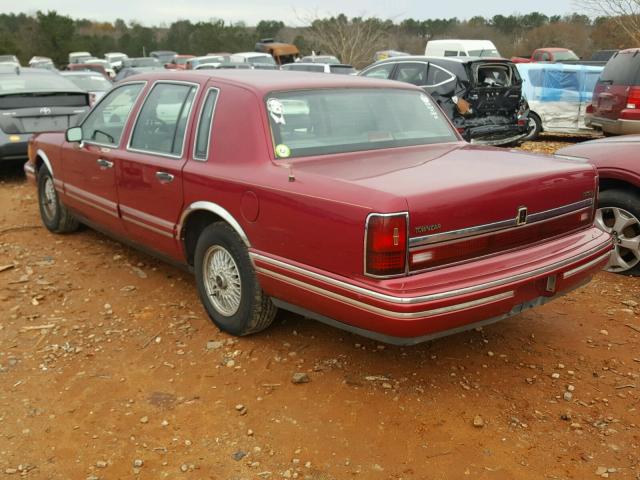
x=622, y=69
x=105, y=123
x=438, y=76
x=412, y=72
x=203, y=133
x=162, y=122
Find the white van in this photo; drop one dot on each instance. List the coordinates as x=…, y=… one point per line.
x=461, y=48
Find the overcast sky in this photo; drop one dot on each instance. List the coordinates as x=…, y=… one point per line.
x=155, y=12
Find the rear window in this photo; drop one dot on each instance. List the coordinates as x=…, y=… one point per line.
x=319, y=122
x=622, y=69
x=35, y=82
x=496, y=75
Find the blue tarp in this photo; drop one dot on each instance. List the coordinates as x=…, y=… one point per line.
x=553, y=82
x=559, y=93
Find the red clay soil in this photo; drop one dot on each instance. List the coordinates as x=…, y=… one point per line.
x=111, y=369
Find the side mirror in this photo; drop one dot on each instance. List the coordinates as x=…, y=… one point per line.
x=74, y=134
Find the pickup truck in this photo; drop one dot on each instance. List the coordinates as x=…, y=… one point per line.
x=551, y=54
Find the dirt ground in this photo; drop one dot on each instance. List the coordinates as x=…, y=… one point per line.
x=110, y=368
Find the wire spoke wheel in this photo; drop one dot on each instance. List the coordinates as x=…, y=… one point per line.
x=49, y=199
x=625, y=229
x=222, y=280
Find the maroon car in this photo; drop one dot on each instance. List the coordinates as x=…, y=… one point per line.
x=615, y=108
x=349, y=200
x=618, y=162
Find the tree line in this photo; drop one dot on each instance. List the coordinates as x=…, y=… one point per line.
x=354, y=40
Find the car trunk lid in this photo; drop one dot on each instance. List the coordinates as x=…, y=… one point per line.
x=41, y=112
x=453, y=189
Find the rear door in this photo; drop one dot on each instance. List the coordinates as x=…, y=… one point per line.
x=89, y=166
x=496, y=88
x=149, y=176
x=619, y=74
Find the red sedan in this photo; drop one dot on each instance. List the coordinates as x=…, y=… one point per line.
x=618, y=162
x=350, y=200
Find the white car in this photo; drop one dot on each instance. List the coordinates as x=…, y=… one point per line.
x=257, y=59
x=79, y=57
x=115, y=59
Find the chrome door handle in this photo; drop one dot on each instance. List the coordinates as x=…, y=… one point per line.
x=164, y=177
x=104, y=163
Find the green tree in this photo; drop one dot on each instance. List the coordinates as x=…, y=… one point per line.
x=268, y=28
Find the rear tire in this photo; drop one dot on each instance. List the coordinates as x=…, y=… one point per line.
x=227, y=282
x=536, y=127
x=619, y=214
x=55, y=216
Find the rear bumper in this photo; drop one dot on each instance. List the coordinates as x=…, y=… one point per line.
x=616, y=127
x=429, y=305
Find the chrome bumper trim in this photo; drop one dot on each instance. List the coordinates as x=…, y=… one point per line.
x=500, y=225
x=581, y=268
x=383, y=311
x=434, y=296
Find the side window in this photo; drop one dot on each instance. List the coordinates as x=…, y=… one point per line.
x=437, y=76
x=415, y=73
x=162, y=121
x=204, y=126
x=450, y=53
x=537, y=57
x=462, y=54
x=381, y=71
x=546, y=57
x=106, y=122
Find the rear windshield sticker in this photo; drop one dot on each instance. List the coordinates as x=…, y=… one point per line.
x=282, y=151
x=276, y=110
x=429, y=104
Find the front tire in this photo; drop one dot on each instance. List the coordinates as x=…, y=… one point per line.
x=619, y=214
x=227, y=283
x=535, y=125
x=55, y=216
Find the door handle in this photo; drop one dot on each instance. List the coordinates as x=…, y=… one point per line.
x=164, y=177
x=104, y=164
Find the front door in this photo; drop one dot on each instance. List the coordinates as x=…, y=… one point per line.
x=89, y=166
x=149, y=176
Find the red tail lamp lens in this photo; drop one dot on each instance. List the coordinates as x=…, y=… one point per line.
x=386, y=244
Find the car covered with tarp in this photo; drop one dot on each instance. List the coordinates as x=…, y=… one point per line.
x=558, y=95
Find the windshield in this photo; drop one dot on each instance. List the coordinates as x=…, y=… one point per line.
x=490, y=52
x=320, y=122
x=262, y=59
x=568, y=55
x=90, y=83
x=8, y=58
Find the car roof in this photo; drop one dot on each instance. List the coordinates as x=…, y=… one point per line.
x=423, y=58
x=252, y=54
x=265, y=81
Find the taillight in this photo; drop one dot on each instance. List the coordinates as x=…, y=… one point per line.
x=633, y=99
x=589, y=108
x=386, y=244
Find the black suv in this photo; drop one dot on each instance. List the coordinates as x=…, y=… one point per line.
x=481, y=96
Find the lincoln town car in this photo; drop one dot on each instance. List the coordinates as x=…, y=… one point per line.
x=348, y=200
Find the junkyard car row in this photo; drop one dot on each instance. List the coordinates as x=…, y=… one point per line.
x=352, y=200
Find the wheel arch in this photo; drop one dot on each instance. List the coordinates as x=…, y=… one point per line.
x=42, y=158
x=196, y=217
x=608, y=183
